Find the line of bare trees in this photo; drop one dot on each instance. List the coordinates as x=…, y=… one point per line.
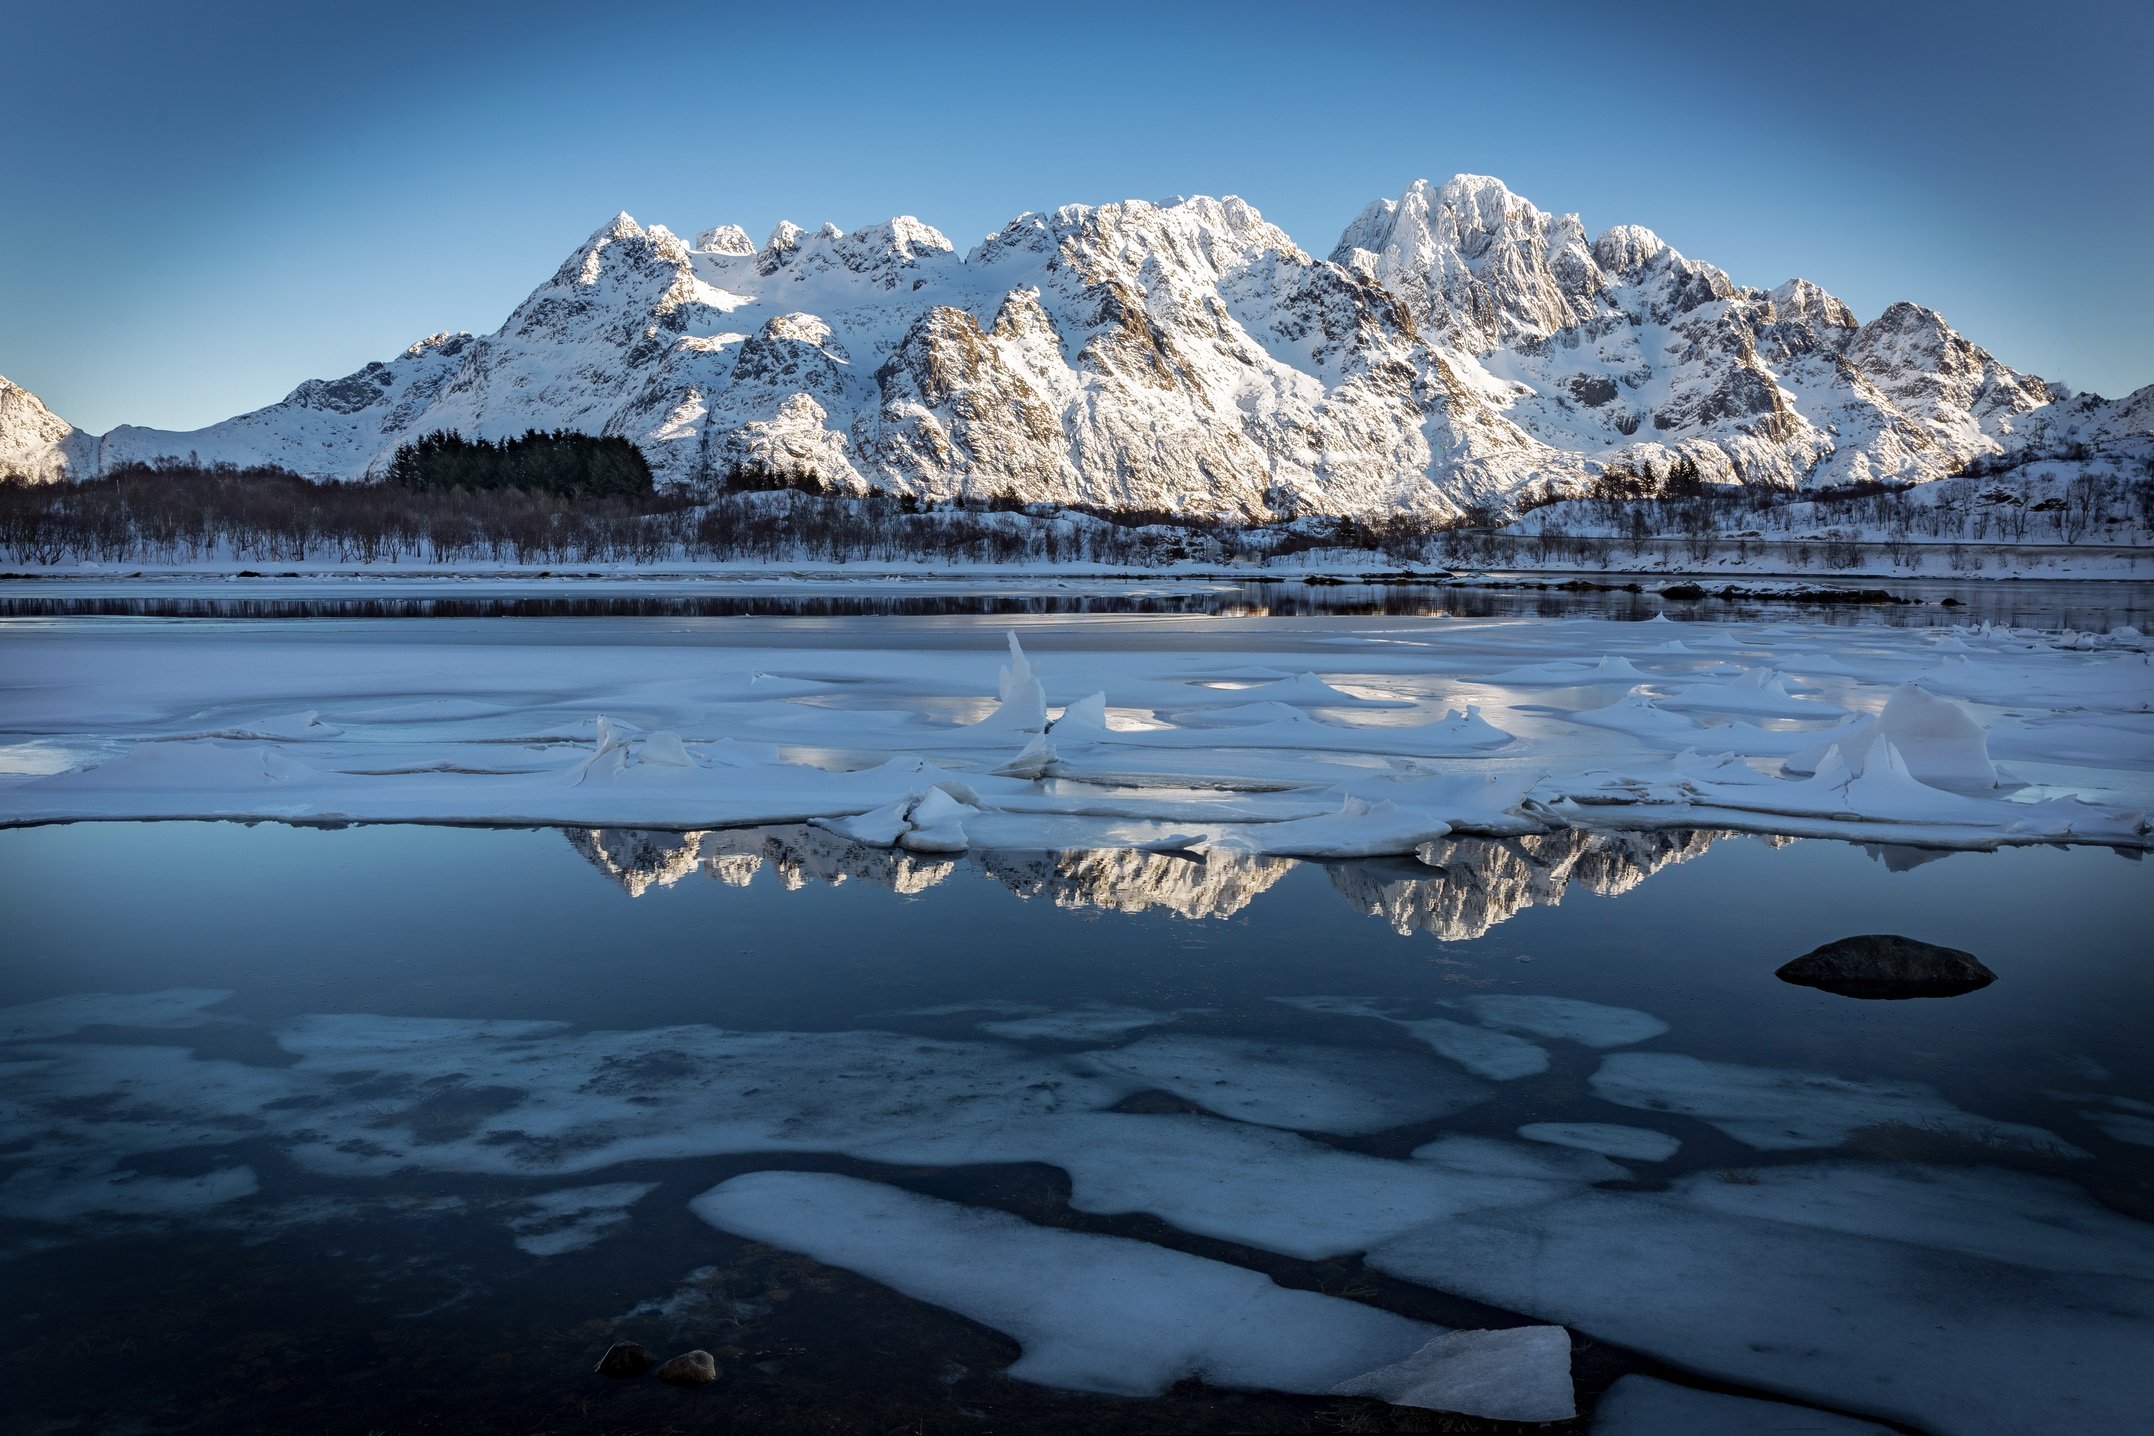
x=171, y=515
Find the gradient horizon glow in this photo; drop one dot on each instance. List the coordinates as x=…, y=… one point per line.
x=212, y=203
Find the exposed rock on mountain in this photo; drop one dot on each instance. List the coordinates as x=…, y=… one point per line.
x=1459, y=348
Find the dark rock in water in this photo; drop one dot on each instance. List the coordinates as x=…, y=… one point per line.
x=1682, y=590
x=1885, y=965
x=690, y=1368
x=623, y=1360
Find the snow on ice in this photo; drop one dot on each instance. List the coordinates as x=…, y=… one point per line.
x=1371, y=744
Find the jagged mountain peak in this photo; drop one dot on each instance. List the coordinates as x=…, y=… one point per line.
x=1460, y=346
x=1477, y=265
x=726, y=239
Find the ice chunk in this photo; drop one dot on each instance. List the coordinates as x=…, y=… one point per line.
x=879, y=827
x=665, y=750
x=1522, y=1373
x=1093, y=1313
x=1890, y=1328
x=1938, y=740
x=612, y=735
x=1775, y=1109
x=1592, y=1023
x=1345, y=1090
x=1036, y=760
x=1083, y=721
x=1359, y=829
x=937, y=823
x=1498, y=1056
x=1024, y=702
x=1639, y=1405
x=1636, y=1144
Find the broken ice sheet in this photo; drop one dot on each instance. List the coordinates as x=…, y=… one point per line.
x=1309, y=1088
x=1102, y=1313
x=1592, y=1023
x=1778, y=1109
x=1811, y=1288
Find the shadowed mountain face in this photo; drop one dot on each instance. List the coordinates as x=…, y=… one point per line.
x=1461, y=888
x=1458, y=348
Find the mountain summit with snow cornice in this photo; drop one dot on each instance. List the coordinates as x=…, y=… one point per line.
x=1458, y=348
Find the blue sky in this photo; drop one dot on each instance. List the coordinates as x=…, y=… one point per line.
x=208, y=203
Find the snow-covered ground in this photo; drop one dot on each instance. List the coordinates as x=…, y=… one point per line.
x=2084, y=518
x=1323, y=738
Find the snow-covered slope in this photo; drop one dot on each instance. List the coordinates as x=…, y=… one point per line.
x=1460, y=347
x=37, y=443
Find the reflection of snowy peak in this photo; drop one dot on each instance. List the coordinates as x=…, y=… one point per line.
x=1486, y=881
x=1472, y=884
x=1126, y=880
x=639, y=859
x=1460, y=345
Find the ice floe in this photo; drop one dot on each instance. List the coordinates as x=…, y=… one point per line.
x=1916, y=1327
x=1103, y=1313
x=1776, y=1109
x=1520, y=1373
x=1632, y=1144
x=1093, y=1313
x=1567, y=1018
x=1307, y=1088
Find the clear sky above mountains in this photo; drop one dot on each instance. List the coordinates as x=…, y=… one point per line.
x=208, y=204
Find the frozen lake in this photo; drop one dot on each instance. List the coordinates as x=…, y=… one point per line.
x=1016, y=1099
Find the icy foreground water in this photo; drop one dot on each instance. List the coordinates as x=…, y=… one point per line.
x=409, y=1123
x=1072, y=1022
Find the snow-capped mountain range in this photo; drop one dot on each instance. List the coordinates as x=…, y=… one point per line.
x=1459, y=347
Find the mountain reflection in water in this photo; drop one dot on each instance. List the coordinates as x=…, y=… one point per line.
x=1460, y=888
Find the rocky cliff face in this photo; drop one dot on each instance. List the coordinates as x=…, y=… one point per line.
x=1459, y=347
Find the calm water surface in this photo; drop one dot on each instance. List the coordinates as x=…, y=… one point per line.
x=326, y=1300
x=2087, y=606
